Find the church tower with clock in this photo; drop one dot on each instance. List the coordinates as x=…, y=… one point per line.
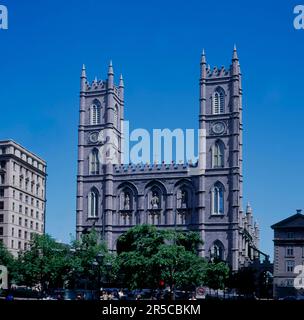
x=113, y=196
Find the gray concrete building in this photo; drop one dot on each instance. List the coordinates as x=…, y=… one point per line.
x=205, y=196
x=288, y=254
x=22, y=196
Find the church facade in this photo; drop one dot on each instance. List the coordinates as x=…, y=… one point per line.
x=112, y=197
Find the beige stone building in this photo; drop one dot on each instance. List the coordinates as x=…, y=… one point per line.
x=22, y=196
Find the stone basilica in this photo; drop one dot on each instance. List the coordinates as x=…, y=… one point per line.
x=114, y=197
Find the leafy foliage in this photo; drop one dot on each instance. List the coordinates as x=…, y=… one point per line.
x=147, y=255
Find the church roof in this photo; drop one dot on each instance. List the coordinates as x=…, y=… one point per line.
x=294, y=221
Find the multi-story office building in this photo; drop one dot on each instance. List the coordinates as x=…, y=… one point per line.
x=22, y=196
x=288, y=255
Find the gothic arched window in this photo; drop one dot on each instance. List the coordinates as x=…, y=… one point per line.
x=94, y=162
x=116, y=124
x=95, y=113
x=217, y=251
x=218, y=101
x=218, y=199
x=93, y=203
x=218, y=155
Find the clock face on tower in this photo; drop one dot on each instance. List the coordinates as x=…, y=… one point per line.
x=218, y=128
x=93, y=137
x=96, y=137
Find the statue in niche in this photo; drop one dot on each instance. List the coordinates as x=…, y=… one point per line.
x=184, y=199
x=155, y=201
x=126, y=201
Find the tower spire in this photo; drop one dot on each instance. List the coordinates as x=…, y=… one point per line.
x=121, y=82
x=203, y=57
x=83, y=72
x=203, y=65
x=110, y=70
x=110, y=75
x=83, y=78
x=235, y=55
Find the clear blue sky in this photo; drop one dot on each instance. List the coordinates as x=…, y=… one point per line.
x=157, y=46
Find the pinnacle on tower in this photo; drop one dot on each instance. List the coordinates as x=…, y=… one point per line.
x=83, y=72
x=248, y=208
x=203, y=57
x=121, y=82
x=235, y=56
x=110, y=70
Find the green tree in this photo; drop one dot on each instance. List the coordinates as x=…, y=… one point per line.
x=7, y=260
x=45, y=263
x=179, y=267
x=244, y=280
x=217, y=274
x=147, y=255
x=88, y=259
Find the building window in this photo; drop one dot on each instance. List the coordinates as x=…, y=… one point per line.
x=1, y=231
x=94, y=162
x=95, y=113
x=13, y=206
x=1, y=193
x=290, y=235
x=31, y=224
x=218, y=101
x=20, y=221
x=20, y=208
x=32, y=212
x=20, y=196
x=217, y=251
x=32, y=201
x=19, y=233
x=289, y=265
x=37, y=203
x=12, y=244
x=25, y=223
x=218, y=199
x=93, y=203
x=1, y=218
x=19, y=245
x=289, y=251
x=2, y=164
x=1, y=205
x=2, y=179
x=13, y=219
x=13, y=232
x=26, y=210
x=37, y=226
x=218, y=155
x=116, y=124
